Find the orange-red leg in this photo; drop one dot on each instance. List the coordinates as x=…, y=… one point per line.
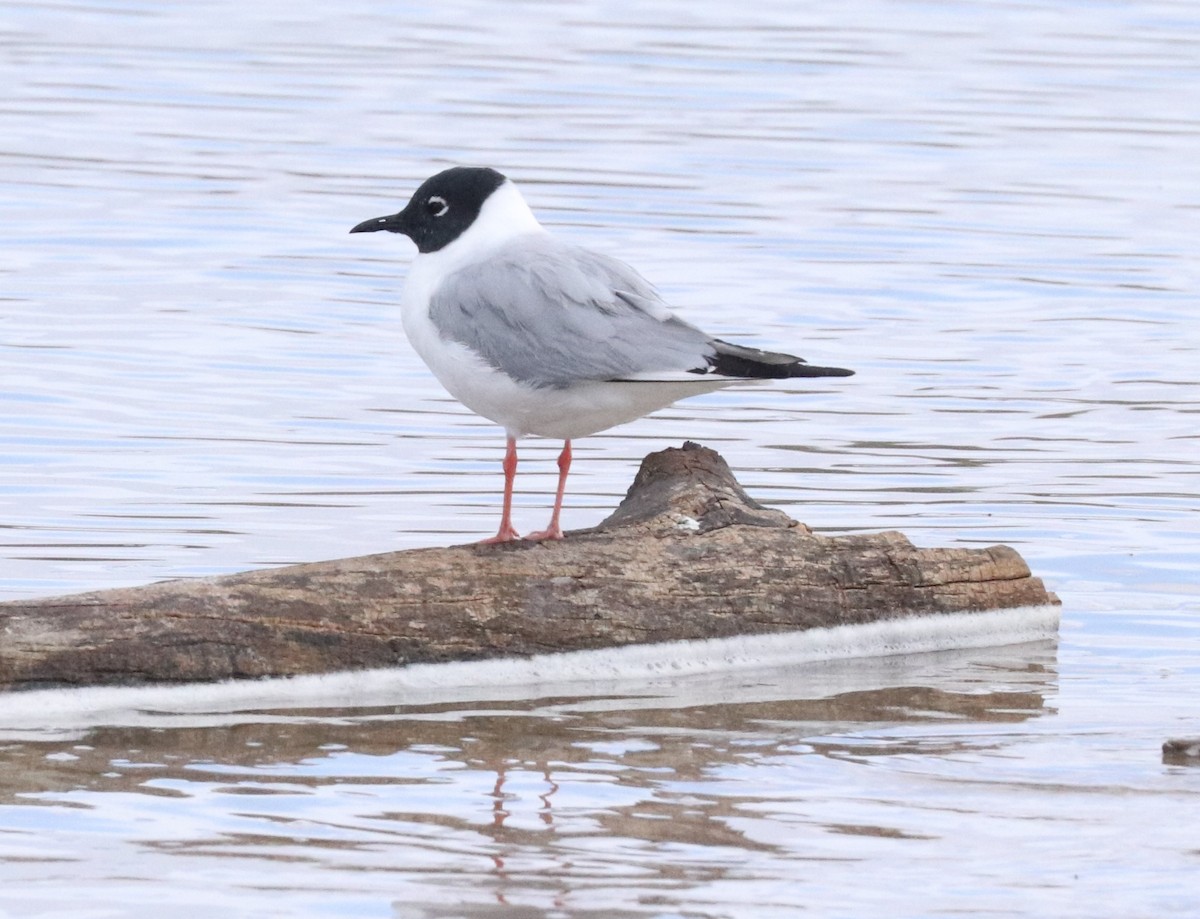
x=554, y=531
x=507, y=533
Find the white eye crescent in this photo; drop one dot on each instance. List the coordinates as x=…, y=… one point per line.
x=436, y=206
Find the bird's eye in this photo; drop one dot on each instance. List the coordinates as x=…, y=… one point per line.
x=436, y=206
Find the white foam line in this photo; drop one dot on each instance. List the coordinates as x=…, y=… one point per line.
x=627, y=669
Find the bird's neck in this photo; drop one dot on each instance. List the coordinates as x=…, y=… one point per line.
x=503, y=217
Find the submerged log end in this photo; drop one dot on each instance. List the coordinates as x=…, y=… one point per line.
x=1182, y=751
x=687, y=555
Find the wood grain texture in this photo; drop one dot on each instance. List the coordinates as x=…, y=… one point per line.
x=687, y=555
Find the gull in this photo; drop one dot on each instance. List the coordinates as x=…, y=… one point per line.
x=544, y=337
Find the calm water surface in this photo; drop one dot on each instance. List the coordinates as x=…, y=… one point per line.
x=989, y=209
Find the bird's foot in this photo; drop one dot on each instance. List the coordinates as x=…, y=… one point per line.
x=550, y=533
x=508, y=533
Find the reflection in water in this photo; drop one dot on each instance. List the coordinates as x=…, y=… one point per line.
x=495, y=796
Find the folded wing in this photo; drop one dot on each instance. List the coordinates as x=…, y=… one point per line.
x=551, y=314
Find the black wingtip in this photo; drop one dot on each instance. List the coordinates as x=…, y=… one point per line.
x=752, y=364
x=807, y=370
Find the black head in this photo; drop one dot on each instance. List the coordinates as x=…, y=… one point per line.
x=442, y=208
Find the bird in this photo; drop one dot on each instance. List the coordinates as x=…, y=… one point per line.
x=544, y=337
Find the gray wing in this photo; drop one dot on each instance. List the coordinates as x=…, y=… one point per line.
x=551, y=314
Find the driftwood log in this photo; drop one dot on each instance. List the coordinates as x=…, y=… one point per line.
x=686, y=555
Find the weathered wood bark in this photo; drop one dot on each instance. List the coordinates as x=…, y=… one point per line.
x=687, y=555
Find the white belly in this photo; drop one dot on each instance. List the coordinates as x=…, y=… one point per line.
x=565, y=414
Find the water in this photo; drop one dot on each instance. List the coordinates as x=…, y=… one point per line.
x=988, y=209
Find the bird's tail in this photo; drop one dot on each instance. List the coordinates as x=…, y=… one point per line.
x=752, y=364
